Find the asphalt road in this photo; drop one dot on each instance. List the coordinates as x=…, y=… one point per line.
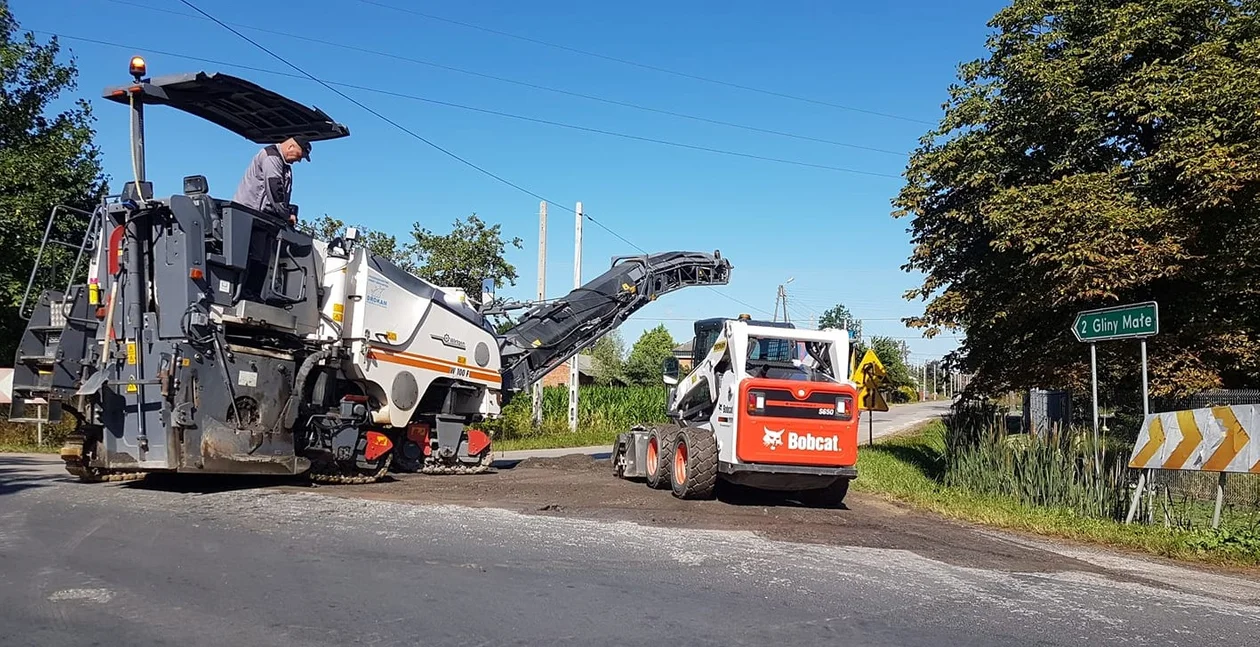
x=177, y=563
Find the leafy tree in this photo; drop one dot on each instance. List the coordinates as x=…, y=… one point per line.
x=47, y=158
x=473, y=251
x=326, y=228
x=646, y=357
x=892, y=354
x=608, y=354
x=1101, y=153
x=838, y=316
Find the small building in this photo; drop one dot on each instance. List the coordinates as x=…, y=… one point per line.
x=560, y=375
x=682, y=353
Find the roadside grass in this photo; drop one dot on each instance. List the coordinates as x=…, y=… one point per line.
x=22, y=438
x=910, y=468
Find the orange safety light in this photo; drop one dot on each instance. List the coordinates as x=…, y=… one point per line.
x=196, y=274
x=377, y=445
x=138, y=67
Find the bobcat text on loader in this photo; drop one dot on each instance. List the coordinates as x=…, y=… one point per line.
x=197, y=335
x=767, y=406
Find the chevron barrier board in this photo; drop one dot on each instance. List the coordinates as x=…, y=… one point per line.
x=1217, y=439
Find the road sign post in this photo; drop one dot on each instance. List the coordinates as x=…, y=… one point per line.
x=1132, y=321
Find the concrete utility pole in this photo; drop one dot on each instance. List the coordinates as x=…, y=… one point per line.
x=781, y=297
x=577, y=283
x=536, y=390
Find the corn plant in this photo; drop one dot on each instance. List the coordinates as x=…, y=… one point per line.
x=600, y=408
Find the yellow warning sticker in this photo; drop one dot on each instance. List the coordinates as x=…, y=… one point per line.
x=339, y=311
x=131, y=352
x=186, y=362
x=131, y=388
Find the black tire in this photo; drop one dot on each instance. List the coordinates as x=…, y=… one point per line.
x=658, y=448
x=831, y=496
x=695, y=465
x=620, y=446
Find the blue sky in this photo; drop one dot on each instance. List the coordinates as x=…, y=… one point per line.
x=829, y=231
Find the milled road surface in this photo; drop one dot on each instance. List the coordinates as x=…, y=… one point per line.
x=246, y=562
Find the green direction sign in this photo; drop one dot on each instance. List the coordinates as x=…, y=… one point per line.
x=1120, y=322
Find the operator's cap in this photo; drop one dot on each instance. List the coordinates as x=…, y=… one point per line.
x=306, y=147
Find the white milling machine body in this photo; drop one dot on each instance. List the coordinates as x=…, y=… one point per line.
x=207, y=337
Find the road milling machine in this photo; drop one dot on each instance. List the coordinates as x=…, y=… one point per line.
x=198, y=335
x=767, y=406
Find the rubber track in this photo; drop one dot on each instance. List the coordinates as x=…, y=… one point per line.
x=702, y=467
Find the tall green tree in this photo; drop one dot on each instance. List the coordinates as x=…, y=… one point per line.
x=1102, y=152
x=327, y=228
x=47, y=158
x=893, y=355
x=471, y=252
x=609, y=358
x=838, y=316
x=648, y=354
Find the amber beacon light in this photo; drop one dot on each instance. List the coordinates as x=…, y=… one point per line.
x=138, y=67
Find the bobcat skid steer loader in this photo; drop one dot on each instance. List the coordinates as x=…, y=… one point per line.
x=766, y=406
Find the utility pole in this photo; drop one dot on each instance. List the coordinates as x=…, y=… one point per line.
x=781, y=297
x=536, y=390
x=577, y=283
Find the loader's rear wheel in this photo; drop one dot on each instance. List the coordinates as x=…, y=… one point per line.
x=695, y=464
x=831, y=496
x=657, y=464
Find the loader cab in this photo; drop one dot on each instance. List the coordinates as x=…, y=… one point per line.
x=707, y=332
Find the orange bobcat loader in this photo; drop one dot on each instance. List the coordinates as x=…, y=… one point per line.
x=767, y=406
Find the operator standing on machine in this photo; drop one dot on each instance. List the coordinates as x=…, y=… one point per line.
x=268, y=181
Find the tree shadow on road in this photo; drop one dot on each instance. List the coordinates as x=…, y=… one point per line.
x=19, y=473
x=212, y=483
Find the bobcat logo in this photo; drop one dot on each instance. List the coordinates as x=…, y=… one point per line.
x=772, y=439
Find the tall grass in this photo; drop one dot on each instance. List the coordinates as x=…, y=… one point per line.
x=603, y=412
x=1064, y=468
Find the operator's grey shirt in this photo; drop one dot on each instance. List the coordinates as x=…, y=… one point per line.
x=267, y=183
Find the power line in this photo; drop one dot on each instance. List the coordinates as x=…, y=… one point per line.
x=589, y=97
x=405, y=129
x=498, y=113
x=687, y=75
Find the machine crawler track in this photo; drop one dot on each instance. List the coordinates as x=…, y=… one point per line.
x=76, y=463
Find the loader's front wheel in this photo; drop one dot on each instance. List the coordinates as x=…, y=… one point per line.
x=657, y=467
x=695, y=464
